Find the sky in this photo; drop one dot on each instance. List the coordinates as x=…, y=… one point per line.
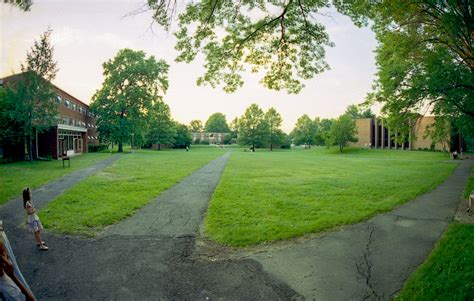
x=86, y=33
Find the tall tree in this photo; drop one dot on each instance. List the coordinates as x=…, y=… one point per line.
x=161, y=130
x=273, y=120
x=253, y=129
x=324, y=126
x=196, y=126
x=234, y=128
x=305, y=131
x=424, y=59
x=30, y=101
x=343, y=131
x=183, y=136
x=132, y=84
x=356, y=112
x=216, y=123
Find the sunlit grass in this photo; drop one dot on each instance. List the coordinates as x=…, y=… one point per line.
x=15, y=176
x=265, y=196
x=122, y=188
x=448, y=273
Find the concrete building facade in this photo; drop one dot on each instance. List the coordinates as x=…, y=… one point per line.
x=374, y=133
x=74, y=131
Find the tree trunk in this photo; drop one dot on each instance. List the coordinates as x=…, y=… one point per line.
x=120, y=146
x=253, y=147
x=340, y=147
x=30, y=146
x=159, y=146
x=271, y=146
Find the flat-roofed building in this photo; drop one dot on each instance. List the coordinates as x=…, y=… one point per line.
x=212, y=138
x=374, y=133
x=74, y=131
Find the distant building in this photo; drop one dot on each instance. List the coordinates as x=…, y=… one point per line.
x=75, y=129
x=212, y=138
x=374, y=133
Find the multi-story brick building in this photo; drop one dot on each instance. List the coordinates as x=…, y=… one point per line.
x=212, y=138
x=374, y=133
x=74, y=131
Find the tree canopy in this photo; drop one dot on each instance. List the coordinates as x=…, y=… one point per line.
x=196, y=126
x=305, y=131
x=273, y=121
x=133, y=84
x=217, y=123
x=424, y=58
x=182, y=137
x=29, y=104
x=356, y=112
x=282, y=39
x=343, y=131
x=161, y=128
x=21, y=4
x=253, y=129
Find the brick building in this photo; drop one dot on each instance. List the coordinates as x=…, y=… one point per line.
x=74, y=131
x=213, y=138
x=374, y=133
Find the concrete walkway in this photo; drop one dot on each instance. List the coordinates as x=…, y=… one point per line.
x=146, y=257
x=149, y=255
x=179, y=210
x=12, y=213
x=370, y=260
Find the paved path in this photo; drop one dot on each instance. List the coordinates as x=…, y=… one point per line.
x=370, y=260
x=178, y=211
x=146, y=257
x=12, y=213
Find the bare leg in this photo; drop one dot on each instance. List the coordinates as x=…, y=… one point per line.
x=38, y=237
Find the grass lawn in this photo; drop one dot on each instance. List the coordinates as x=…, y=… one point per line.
x=16, y=176
x=265, y=196
x=448, y=273
x=127, y=185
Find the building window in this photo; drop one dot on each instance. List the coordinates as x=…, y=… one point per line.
x=58, y=99
x=67, y=103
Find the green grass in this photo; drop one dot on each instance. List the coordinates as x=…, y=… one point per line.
x=448, y=273
x=119, y=190
x=16, y=176
x=266, y=196
x=470, y=185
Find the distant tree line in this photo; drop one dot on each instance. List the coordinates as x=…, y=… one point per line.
x=259, y=129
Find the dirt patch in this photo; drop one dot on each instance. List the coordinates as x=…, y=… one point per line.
x=462, y=215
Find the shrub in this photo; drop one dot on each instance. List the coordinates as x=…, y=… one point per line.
x=97, y=148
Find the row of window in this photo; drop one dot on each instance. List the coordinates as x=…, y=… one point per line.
x=73, y=106
x=74, y=122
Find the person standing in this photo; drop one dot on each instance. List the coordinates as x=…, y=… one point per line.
x=33, y=223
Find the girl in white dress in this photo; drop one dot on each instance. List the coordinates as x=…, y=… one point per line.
x=33, y=223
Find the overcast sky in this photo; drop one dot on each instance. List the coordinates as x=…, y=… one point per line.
x=86, y=33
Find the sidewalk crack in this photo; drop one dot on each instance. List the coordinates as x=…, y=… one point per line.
x=364, y=268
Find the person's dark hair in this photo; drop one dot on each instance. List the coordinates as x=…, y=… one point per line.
x=26, y=196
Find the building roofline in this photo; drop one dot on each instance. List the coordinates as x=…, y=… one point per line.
x=17, y=75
